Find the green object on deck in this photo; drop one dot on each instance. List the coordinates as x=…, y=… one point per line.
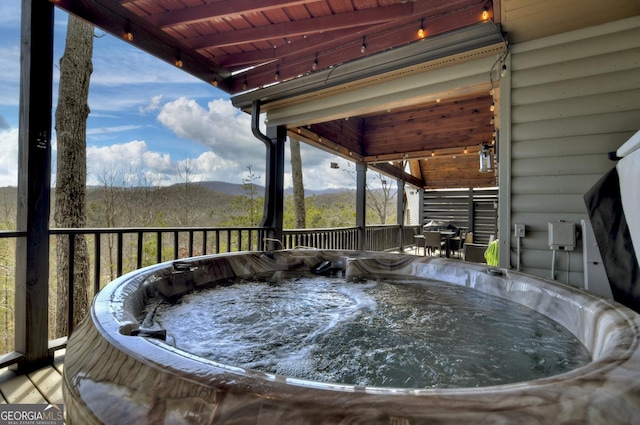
x=491, y=254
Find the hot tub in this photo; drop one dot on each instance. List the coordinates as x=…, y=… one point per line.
x=118, y=372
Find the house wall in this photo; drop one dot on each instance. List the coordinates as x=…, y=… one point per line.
x=574, y=98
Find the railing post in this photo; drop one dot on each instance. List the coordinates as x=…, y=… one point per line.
x=204, y=242
x=96, y=267
x=139, y=249
x=400, y=214
x=71, y=270
x=159, y=247
x=176, y=245
x=361, y=203
x=119, y=254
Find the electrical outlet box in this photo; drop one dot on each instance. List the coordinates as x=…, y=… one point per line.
x=519, y=230
x=562, y=235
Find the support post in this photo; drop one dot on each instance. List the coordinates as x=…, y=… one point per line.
x=422, y=220
x=472, y=212
x=272, y=216
x=274, y=185
x=400, y=214
x=34, y=184
x=504, y=170
x=361, y=203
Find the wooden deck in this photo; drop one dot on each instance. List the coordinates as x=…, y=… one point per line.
x=42, y=386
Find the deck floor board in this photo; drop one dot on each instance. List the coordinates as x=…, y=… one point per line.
x=38, y=387
x=18, y=389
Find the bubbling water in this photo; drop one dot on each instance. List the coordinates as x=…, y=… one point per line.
x=414, y=333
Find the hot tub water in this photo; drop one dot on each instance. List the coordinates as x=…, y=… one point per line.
x=414, y=333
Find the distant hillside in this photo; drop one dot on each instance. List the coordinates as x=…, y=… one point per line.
x=236, y=189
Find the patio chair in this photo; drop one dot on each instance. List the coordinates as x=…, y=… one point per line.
x=432, y=241
x=456, y=243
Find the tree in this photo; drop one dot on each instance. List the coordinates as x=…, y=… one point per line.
x=378, y=200
x=251, y=193
x=243, y=210
x=109, y=176
x=298, y=185
x=187, y=172
x=70, y=204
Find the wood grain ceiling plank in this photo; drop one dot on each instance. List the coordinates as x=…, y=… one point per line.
x=146, y=7
x=422, y=124
x=397, y=32
x=425, y=146
x=443, y=129
x=308, y=45
x=303, y=27
x=218, y=11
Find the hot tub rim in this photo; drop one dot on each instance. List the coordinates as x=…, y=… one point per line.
x=154, y=353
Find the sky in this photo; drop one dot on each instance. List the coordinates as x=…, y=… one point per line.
x=149, y=120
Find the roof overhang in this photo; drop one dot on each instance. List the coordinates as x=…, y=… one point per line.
x=379, y=66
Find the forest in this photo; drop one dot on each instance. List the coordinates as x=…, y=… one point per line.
x=190, y=204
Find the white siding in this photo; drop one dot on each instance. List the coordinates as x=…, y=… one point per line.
x=574, y=98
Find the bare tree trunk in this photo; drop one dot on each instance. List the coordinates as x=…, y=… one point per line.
x=298, y=185
x=379, y=200
x=71, y=175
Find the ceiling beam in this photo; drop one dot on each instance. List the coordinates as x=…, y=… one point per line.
x=397, y=173
x=455, y=42
x=111, y=17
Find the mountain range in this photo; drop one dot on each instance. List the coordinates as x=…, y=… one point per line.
x=237, y=189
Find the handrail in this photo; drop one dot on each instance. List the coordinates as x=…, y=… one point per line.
x=178, y=242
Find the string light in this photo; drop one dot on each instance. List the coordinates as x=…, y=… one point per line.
x=485, y=13
x=421, y=33
x=363, y=47
x=492, y=107
x=315, y=62
x=214, y=82
x=504, y=70
x=128, y=35
x=465, y=150
x=245, y=85
x=178, y=61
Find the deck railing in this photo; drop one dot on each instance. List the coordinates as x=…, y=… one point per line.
x=116, y=251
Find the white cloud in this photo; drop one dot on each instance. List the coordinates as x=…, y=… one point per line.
x=133, y=160
x=9, y=158
x=125, y=158
x=223, y=128
x=154, y=105
x=109, y=130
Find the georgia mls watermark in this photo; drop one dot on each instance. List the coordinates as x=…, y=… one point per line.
x=31, y=414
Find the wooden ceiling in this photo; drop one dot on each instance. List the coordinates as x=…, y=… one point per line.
x=439, y=142
x=245, y=45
